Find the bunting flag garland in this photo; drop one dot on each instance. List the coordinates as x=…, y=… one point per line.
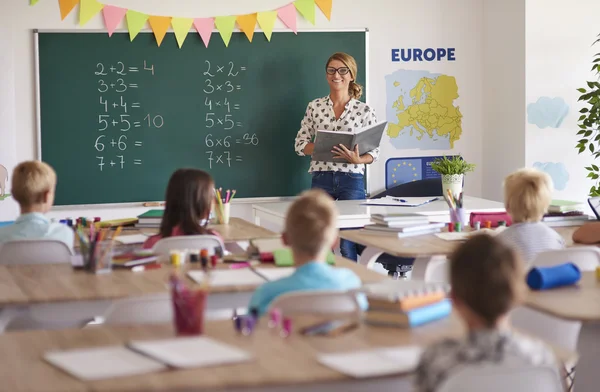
x=159, y=25
x=325, y=7
x=266, y=21
x=225, y=25
x=204, y=27
x=66, y=6
x=307, y=9
x=136, y=21
x=113, y=17
x=88, y=9
x=247, y=24
x=33, y=2
x=181, y=27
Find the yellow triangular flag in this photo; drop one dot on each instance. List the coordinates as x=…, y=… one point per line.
x=135, y=22
x=225, y=25
x=88, y=9
x=325, y=6
x=307, y=9
x=247, y=24
x=159, y=25
x=66, y=6
x=266, y=21
x=181, y=27
x=33, y=2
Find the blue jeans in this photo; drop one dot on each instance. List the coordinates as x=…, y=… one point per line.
x=342, y=186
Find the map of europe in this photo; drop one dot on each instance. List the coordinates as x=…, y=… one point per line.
x=420, y=110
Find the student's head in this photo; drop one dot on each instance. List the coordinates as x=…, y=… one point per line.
x=341, y=72
x=310, y=225
x=487, y=280
x=188, y=200
x=33, y=184
x=527, y=195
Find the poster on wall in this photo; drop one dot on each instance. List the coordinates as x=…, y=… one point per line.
x=9, y=209
x=402, y=170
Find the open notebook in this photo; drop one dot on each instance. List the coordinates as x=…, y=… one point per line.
x=141, y=357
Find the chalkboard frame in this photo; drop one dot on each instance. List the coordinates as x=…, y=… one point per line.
x=248, y=200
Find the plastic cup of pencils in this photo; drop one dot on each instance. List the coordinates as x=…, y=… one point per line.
x=458, y=216
x=224, y=213
x=188, y=316
x=101, y=257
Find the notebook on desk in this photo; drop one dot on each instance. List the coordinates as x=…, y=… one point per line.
x=367, y=139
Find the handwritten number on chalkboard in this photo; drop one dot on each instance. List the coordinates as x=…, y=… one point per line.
x=99, y=146
x=207, y=72
x=210, y=120
x=101, y=162
x=149, y=69
x=229, y=86
x=122, y=160
x=121, y=84
x=210, y=159
x=121, y=72
x=124, y=120
x=122, y=145
x=208, y=141
x=209, y=85
x=230, y=73
x=101, y=120
x=100, y=71
x=105, y=103
x=208, y=102
x=226, y=103
x=103, y=86
x=157, y=121
x=228, y=120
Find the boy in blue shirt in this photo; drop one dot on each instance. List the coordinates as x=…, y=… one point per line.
x=310, y=231
x=33, y=184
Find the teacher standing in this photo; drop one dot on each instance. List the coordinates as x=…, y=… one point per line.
x=342, y=111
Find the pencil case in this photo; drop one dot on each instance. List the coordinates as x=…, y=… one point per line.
x=544, y=278
x=493, y=217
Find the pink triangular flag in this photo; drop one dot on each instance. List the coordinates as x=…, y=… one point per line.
x=287, y=14
x=113, y=17
x=205, y=26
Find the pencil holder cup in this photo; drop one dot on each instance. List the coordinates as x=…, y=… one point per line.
x=188, y=310
x=458, y=216
x=99, y=259
x=223, y=213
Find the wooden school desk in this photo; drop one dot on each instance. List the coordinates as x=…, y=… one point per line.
x=423, y=248
x=353, y=214
x=51, y=283
x=280, y=365
x=579, y=303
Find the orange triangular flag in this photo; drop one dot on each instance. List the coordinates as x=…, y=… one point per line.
x=247, y=24
x=159, y=25
x=325, y=7
x=66, y=6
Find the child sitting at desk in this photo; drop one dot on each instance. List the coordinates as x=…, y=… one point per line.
x=189, y=198
x=527, y=196
x=310, y=231
x=487, y=280
x=33, y=185
x=587, y=234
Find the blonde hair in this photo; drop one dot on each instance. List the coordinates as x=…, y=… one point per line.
x=527, y=195
x=31, y=180
x=354, y=89
x=487, y=276
x=310, y=225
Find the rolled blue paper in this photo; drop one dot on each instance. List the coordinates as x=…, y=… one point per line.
x=429, y=313
x=544, y=278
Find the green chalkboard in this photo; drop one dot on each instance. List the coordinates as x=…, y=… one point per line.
x=118, y=117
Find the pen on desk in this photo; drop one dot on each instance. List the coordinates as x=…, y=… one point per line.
x=239, y=265
x=140, y=268
x=398, y=200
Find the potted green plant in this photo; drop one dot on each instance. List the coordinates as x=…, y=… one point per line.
x=589, y=124
x=452, y=171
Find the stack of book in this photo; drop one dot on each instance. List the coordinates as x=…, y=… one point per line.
x=409, y=304
x=565, y=213
x=150, y=219
x=402, y=225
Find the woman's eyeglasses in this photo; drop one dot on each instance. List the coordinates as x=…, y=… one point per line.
x=341, y=70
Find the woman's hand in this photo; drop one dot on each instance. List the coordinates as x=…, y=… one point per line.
x=352, y=156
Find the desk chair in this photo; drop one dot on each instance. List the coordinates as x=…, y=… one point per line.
x=400, y=266
x=552, y=329
x=493, y=378
x=204, y=241
x=44, y=316
x=318, y=302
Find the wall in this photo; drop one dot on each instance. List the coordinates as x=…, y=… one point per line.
x=392, y=24
x=559, y=58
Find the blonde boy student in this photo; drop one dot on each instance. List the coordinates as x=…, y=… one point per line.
x=487, y=280
x=310, y=231
x=527, y=196
x=33, y=184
